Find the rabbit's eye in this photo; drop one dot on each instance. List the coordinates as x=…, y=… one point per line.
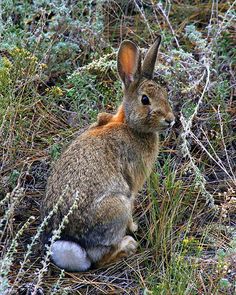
x=145, y=100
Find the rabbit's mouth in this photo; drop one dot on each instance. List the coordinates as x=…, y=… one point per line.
x=166, y=125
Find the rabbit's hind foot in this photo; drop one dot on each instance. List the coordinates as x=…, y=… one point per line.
x=70, y=256
x=128, y=245
x=125, y=248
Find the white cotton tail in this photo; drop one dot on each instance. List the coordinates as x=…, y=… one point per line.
x=70, y=256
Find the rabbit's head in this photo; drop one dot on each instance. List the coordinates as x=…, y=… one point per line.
x=145, y=102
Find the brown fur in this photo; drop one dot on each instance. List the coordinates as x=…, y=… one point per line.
x=108, y=164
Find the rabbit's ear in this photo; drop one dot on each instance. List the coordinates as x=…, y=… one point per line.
x=150, y=59
x=128, y=62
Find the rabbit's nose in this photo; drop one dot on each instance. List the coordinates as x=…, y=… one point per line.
x=170, y=122
x=170, y=119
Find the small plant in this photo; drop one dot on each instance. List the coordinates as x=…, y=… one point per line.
x=178, y=277
x=14, y=176
x=55, y=151
x=89, y=93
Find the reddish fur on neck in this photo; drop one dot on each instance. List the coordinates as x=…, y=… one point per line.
x=117, y=119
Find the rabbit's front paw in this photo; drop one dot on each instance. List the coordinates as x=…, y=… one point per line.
x=132, y=226
x=128, y=245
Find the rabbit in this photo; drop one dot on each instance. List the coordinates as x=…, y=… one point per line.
x=103, y=169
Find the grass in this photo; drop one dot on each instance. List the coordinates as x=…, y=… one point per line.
x=57, y=71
